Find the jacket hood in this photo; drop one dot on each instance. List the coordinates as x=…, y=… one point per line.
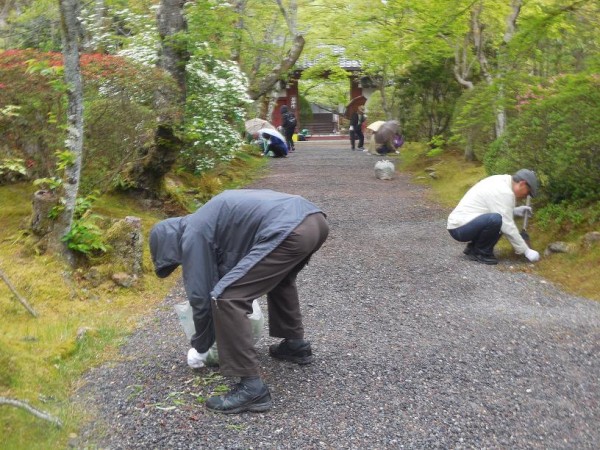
x=165, y=246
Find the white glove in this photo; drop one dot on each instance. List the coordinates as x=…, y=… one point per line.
x=532, y=255
x=196, y=360
x=520, y=211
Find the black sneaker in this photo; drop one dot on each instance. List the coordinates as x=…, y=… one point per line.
x=300, y=353
x=241, y=398
x=468, y=249
x=483, y=258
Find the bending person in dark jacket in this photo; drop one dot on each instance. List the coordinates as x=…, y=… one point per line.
x=241, y=245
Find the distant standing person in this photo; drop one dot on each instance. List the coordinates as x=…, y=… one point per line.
x=238, y=246
x=356, y=124
x=486, y=212
x=288, y=123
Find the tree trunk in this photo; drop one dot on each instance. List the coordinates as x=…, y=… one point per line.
x=43, y=202
x=469, y=152
x=477, y=30
x=69, y=11
x=511, y=25
x=240, y=9
x=173, y=55
x=156, y=161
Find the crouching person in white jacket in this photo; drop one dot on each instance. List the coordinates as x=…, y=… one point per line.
x=486, y=212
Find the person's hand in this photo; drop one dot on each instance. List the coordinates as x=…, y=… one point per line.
x=196, y=360
x=520, y=211
x=532, y=255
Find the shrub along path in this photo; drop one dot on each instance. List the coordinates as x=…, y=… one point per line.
x=415, y=346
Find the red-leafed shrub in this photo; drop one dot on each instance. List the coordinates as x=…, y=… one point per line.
x=119, y=107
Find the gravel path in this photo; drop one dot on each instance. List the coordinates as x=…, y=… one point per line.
x=415, y=346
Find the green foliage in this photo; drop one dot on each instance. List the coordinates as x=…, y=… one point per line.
x=556, y=133
x=210, y=22
x=34, y=24
x=12, y=169
x=49, y=183
x=437, y=144
x=83, y=205
x=428, y=94
x=473, y=120
x=558, y=214
x=85, y=236
x=120, y=112
x=325, y=83
x=65, y=159
x=12, y=165
x=306, y=114
x=9, y=110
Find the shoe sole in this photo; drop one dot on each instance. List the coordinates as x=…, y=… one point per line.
x=259, y=407
x=473, y=257
x=300, y=360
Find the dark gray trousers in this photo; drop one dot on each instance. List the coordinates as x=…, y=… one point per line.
x=275, y=275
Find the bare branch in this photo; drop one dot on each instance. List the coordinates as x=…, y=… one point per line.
x=19, y=297
x=287, y=63
x=27, y=407
x=288, y=17
x=511, y=20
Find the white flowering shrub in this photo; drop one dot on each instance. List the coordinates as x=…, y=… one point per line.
x=143, y=47
x=121, y=32
x=216, y=95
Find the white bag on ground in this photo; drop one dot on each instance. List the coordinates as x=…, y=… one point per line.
x=384, y=170
x=185, y=315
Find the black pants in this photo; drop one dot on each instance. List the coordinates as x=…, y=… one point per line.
x=289, y=139
x=278, y=152
x=357, y=134
x=483, y=232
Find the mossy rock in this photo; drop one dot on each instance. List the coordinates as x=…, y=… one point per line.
x=125, y=242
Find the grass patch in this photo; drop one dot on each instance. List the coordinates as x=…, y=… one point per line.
x=448, y=174
x=79, y=325
x=576, y=273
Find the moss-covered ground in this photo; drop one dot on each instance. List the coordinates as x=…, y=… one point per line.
x=79, y=324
